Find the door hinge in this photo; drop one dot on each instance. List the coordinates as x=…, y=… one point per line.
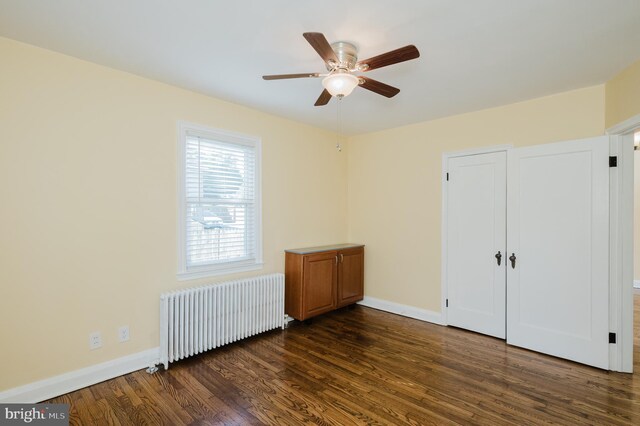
x=447, y=176
x=613, y=161
x=446, y=303
x=612, y=337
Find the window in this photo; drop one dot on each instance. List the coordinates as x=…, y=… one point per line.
x=219, y=213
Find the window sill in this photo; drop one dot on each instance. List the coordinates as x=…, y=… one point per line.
x=217, y=271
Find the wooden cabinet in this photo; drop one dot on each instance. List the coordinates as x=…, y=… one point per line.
x=321, y=279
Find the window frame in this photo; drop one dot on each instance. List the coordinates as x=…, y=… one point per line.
x=220, y=268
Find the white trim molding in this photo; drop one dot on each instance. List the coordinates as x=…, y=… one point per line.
x=78, y=379
x=476, y=151
x=621, y=247
x=626, y=126
x=400, y=309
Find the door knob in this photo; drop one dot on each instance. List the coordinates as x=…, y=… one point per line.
x=512, y=258
x=499, y=258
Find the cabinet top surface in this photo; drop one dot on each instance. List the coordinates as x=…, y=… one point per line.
x=308, y=250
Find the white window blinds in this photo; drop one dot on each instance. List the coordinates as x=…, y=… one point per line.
x=220, y=209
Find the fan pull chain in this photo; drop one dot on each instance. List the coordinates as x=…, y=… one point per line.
x=338, y=124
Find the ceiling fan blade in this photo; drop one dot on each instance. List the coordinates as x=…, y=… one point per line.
x=322, y=46
x=283, y=76
x=324, y=98
x=395, y=56
x=379, y=88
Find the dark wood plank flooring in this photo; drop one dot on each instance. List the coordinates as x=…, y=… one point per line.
x=364, y=366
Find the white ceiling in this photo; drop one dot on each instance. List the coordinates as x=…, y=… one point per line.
x=474, y=53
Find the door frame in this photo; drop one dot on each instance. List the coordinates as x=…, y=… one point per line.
x=444, y=283
x=621, y=244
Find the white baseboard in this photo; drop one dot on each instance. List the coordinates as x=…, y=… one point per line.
x=636, y=283
x=404, y=310
x=78, y=379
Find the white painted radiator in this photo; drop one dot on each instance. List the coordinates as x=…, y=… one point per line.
x=198, y=319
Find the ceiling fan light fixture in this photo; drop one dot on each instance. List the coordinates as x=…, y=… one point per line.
x=341, y=60
x=340, y=84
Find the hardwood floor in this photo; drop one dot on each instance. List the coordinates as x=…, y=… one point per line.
x=364, y=366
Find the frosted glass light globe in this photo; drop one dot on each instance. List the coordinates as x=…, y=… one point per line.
x=340, y=84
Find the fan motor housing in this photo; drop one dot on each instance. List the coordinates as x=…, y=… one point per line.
x=347, y=54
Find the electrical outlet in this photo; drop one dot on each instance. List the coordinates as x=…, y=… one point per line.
x=95, y=340
x=123, y=333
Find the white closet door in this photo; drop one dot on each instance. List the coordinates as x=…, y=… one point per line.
x=558, y=221
x=476, y=227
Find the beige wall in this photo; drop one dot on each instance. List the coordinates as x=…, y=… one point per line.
x=623, y=95
x=395, y=184
x=88, y=204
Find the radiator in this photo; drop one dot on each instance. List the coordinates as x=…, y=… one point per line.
x=198, y=319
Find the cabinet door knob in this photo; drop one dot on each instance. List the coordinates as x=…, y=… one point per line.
x=341, y=258
x=336, y=259
x=512, y=258
x=499, y=257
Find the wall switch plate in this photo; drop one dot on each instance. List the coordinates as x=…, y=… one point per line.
x=95, y=340
x=123, y=333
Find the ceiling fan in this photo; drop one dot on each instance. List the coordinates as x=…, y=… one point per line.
x=341, y=60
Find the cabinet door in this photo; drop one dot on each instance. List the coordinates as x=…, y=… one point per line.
x=350, y=276
x=320, y=282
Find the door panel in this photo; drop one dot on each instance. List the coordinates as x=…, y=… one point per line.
x=351, y=276
x=476, y=231
x=558, y=221
x=320, y=274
